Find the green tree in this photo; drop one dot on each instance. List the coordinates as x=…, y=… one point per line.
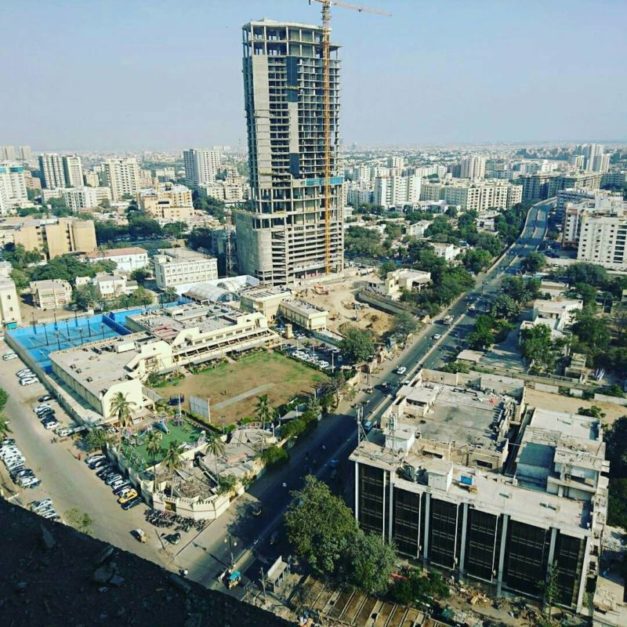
x=586, y=273
x=521, y=290
x=153, y=444
x=4, y=397
x=140, y=275
x=533, y=262
x=175, y=229
x=215, y=446
x=320, y=527
x=538, y=347
x=419, y=587
x=274, y=456
x=121, y=408
x=81, y=521
x=293, y=428
x=20, y=278
x=140, y=297
x=5, y=430
x=476, y=260
x=370, y=562
x=264, y=411
x=404, y=324
x=357, y=345
x=97, y=439
x=506, y=307
x=226, y=484
x=85, y=296
x=173, y=458
x=385, y=267
x=482, y=336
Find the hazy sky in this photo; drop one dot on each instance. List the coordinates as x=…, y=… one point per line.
x=155, y=74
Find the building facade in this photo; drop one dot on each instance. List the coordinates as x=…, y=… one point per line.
x=77, y=198
x=201, y=166
x=122, y=176
x=180, y=268
x=12, y=187
x=284, y=236
x=10, y=314
x=51, y=168
x=57, y=236
x=472, y=167
x=126, y=259
x=73, y=171
x=51, y=293
x=396, y=191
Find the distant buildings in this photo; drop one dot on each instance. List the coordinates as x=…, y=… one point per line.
x=9, y=301
x=126, y=259
x=51, y=294
x=543, y=186
x=472, y=167
x=474, y=195
x=201, y=166
x=78, y=198
x=52, y=237
x=396, y=191
x=168, y=203
x=180, y=268
x=73, y=171
x=595, y=158
x=122, y=176
x=13, y=153
x=51, y=168
x=12, y=187
x=285, y=236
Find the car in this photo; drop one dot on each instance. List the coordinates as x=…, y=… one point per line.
x=24, y=372
x=128, y=496
x=173, y=538
x=45, y=398
x=50, y=423
x=9, y=355
x=121, y=489
x=29, y=381
x=436, y=336
x=99, y=465
x=401, y=370
x=116, y=484
x=368, y=426
x=113, y=478
x=94, y=458
x=131, y=504
x=49, y=413
x=42, y=407
x=139, y=535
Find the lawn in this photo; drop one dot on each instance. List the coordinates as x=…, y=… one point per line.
x=233, y=388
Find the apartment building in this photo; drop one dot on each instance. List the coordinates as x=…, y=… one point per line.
x=448, y=252
x=546, y=185
x=122, y=176
x=201, y=166
x=230, y=192
x=55, y=236
x=474, y=196
x=12, y=187
x=418, y=229
x=180, y=268
x=577, y=203
x=396, y=191
x=126, y=259
x=168, y=203
x=472, y=167
x=73, y=171
x=285, y=236
x=110, y=286
x=51, y=168
x=10, y=315
x=432, y=482
x=79, y=198
x=51, y=293
x=602, y=240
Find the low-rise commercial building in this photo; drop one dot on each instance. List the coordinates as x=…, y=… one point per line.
x=181, y=268
x=55, y=236
x=264, y=299
x=405, y=280
x=304, y=314
x=51, y=293
x=126, y=259
x=109, y=286
x=448, y=252
x=432, y=482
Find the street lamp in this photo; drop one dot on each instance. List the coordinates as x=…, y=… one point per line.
x=232, y=543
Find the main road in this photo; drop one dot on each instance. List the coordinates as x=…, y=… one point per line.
x=238, y=538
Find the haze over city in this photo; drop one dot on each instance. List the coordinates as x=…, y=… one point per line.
x=131, y=75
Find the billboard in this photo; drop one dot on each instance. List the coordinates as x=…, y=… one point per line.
x=200, y=406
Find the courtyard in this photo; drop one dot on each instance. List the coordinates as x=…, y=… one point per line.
x=233, y=387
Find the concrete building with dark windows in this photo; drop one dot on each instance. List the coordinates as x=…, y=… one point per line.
x=422, y=482
x=284, y=236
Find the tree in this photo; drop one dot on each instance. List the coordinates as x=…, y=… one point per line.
x=538, y=347
x=320, y=527
x=153, y=444
x=482, y=336
x=173, y=460
x=586, y=273
x=85, y=296
x=140, y=275
x=476, y=260
x=357, y=345
x=385, y=267
x=274, y=456
x=419, y=587
x=263, y=410
x=521, y=290
x=506, y=307
x=370, y=562
x=97, y=439
x=215, y=446
x=140, y=297
x=4, y=397
x=533, y=262
x=551, y=589
x=175, y=229
x=121, y=408
x=226, y=484
x=81, y=521
x=404, y=324
x=4, y=428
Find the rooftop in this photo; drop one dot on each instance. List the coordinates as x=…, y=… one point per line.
x=117, y=252
x=302, y=306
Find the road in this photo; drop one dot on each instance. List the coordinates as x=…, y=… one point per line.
x=246, y=537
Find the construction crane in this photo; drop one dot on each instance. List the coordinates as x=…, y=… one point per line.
x=326, y=108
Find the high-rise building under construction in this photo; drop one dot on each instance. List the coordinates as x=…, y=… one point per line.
x=286, y=234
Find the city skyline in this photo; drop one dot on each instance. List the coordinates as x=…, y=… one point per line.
x=122, y=77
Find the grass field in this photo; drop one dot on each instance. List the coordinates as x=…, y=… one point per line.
x=233, y=388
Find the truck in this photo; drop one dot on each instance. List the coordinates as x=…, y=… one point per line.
x=447, y=320
x=233, y=577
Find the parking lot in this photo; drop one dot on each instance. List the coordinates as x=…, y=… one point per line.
x=65, y=477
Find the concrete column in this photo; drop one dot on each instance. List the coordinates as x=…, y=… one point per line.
x=584, y=573
x=391, y=510
x=552, y=547
x=462, y=548
x=383, y=506
x=356, y=491
x=425, y=540
x=499, y=576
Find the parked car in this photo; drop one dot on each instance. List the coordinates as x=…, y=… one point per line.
x=131, y=504
x=45, y=398
x=113, y=478
x=173, y=538
x=94, y=458
x=122, y=489
x=9, y=355
x=128, y=496
x=139, y=535
x=401, y=370
x=28, y=381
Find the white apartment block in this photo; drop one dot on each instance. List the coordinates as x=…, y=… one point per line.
x=359, y=193
x=472, y=167
x=126, y=259
x=418, y=229
x=73, y=171
x=448, y=252
x=578, y=203
x=180, y=268
x=591, y=152
x=602, y=240
x=396, y=191
x=474, y=196
x=167, y=193
x=12, y=187
x=122, y=176
x=51, y=167
x=228, y=192
x=51, y=293
x=9, y=302
x=201, y=166
x=77, y=198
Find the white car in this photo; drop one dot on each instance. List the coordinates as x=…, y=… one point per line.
x=27, y=372
x=8, y=356
x=401, y=370
x=437, y=336
x=29, y=381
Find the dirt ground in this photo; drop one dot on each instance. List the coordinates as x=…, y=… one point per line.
x=340, y=303
x=233, y=388
x=555, y=402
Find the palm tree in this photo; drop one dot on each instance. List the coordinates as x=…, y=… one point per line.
x=264, y=411
x=97, y=439
x=4, y=428
x=153, y=444
x=173, y=460
x=215, y=446
x=121, y=407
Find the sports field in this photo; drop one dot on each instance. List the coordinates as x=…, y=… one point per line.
x=233, y=388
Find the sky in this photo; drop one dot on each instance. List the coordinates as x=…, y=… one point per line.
x=116, y=75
